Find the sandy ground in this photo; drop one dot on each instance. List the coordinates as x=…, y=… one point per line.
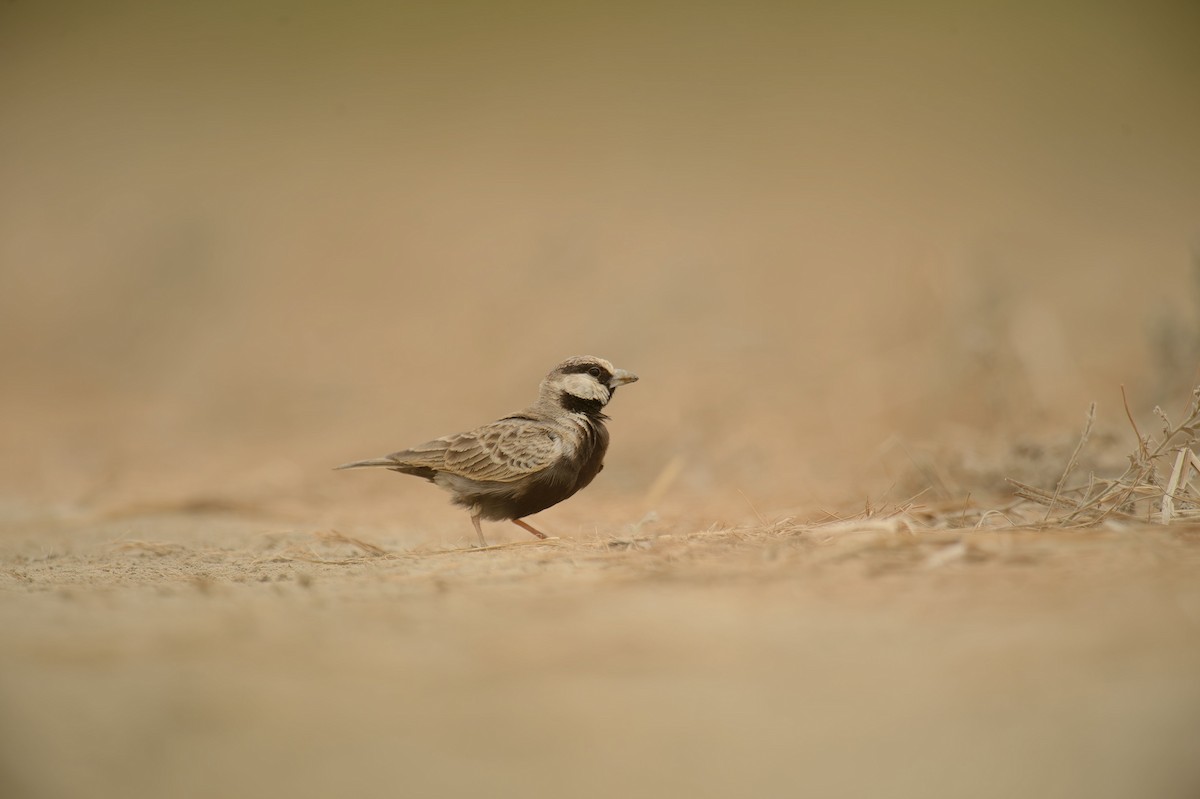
x=190, y=655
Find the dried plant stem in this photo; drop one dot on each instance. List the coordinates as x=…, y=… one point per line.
x=1140, y=493
x=1168, y=501
x=1087, y=431
x=1133, y=424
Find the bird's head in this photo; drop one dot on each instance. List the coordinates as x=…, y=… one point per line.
x=584, y=384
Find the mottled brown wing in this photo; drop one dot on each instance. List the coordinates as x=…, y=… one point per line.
x=503, y=451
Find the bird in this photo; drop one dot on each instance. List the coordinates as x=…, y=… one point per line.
x=524, y=463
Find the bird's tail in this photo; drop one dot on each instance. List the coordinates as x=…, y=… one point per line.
x=362, y=464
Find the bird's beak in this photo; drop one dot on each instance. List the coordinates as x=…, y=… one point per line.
x=621, y=377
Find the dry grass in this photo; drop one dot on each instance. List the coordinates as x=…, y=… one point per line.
x=1156, y=486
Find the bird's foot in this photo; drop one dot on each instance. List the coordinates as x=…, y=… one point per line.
x=526, y=526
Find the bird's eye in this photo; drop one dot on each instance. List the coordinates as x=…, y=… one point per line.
x=594, y=371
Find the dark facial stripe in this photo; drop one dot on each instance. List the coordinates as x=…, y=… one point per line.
x=576, y=404
x=585, y=368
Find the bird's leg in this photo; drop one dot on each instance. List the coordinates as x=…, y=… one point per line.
x=529, y=527
x=478, y=529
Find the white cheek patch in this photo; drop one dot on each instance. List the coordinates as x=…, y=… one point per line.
x=585, y=387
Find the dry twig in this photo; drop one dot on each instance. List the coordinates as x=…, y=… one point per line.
x=1132, y=495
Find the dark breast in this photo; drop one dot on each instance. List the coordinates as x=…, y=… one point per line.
x=552, y=486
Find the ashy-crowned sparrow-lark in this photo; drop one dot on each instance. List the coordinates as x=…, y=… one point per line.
x=526, y=462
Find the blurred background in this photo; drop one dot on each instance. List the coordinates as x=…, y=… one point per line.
x=857, y=251
x=243, y=242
